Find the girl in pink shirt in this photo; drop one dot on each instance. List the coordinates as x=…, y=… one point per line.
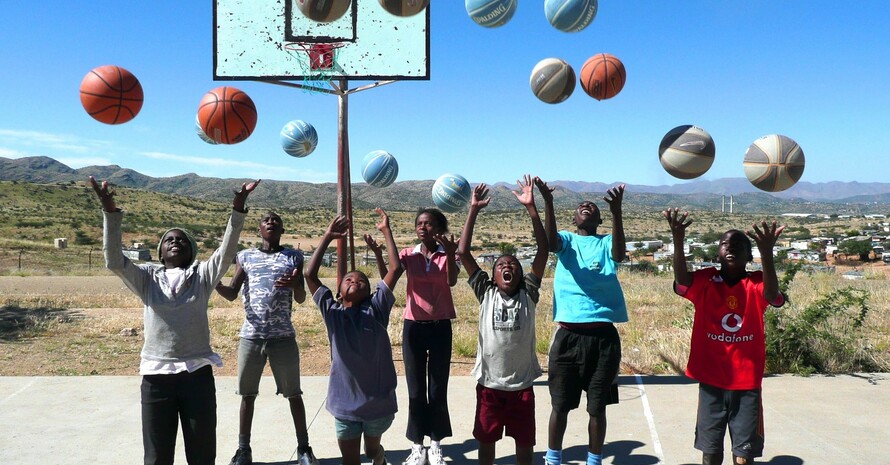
x=432, y=270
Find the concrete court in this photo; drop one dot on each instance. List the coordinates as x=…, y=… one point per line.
x=96, y=420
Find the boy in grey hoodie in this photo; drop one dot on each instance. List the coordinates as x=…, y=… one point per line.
x=176, y=358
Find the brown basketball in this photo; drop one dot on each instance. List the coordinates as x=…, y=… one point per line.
x=227, y=115
x=602, y=76
x=111, y=94
x=404, y=7
x=323, y=11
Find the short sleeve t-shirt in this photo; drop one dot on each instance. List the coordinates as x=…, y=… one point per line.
x=428, y=293
x=267, y=308
x=362, y=384
x=728, y=349
x=505, y=355
x=585, y=285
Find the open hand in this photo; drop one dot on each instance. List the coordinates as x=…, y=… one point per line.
x=613, y=197
x=447, y=242
x=241, y=194
x=106, y=196
x=338, y=228
x=288, y=280
x=677, y=221
x=480, y=198
x=383, y=223
x=373, y=245
x=526, y=194
x=545, y=190
x=766, y=235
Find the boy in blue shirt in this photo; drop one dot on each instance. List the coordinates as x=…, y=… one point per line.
x=362, y=386
x=585, y=354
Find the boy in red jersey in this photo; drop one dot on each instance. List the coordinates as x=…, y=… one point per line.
x=728, y=350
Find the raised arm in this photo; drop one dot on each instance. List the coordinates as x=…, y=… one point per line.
x=241, y=195
x=678, y=223
x=231, y=291
x=766, y=240
x=553, y=239
x=479, y=200
x=134, y=277
x=392, y=252
x=106, y=196
x=613, y=197
x=378, y=254
x=337, y=229
x=526, y=197
x=216, y=266
x=450, y=247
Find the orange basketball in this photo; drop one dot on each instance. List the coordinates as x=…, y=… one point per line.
x=111, y=94
x=227, y=115
x=602, y=76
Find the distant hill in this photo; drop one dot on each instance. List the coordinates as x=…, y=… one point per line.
x=831, y=197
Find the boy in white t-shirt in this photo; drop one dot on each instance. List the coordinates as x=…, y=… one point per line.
x=506, y=363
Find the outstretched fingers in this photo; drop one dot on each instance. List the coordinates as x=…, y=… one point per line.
x=384, y=219
x=480, y=197
x=526, y=193
x=676, y=219
x=615, y=195
x=545, y=190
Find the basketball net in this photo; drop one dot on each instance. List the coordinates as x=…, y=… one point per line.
x=321, y=67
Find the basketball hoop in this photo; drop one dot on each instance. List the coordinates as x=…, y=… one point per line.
x=321, y=66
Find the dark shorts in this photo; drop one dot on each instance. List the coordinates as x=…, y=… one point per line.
x=498, y=410
x=584, y=360
x=742, y=411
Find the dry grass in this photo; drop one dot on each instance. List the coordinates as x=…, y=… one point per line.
x=80, y=326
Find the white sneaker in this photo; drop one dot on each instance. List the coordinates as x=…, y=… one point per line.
x=435, y=456
x=417, y=457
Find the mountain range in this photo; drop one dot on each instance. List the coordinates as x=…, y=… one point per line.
x=804, y=197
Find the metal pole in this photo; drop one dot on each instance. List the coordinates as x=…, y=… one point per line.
x=344, y=194
x=20, y=259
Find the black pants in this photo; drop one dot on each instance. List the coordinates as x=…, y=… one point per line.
x=426, y=349
x=189, y=398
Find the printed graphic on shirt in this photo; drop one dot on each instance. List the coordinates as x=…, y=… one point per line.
x=506, y=318
x=267, y=307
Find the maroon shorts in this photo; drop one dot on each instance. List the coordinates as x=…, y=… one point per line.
x=497, y=410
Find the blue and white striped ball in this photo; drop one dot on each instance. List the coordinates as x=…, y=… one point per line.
x=491, y=13
x=451, y=192
x=570, y=15
x=379, y=168
x=298, y=138
x=200, y=132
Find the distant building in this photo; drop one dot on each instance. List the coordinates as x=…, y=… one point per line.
x=137, y=254
x=60, y=242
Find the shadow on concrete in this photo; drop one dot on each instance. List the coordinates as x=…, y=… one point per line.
x=777, y=460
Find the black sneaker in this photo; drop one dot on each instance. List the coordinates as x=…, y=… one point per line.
x=242, y=457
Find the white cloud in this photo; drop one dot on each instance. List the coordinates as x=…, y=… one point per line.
x=63, y=142
x=247, y=169
x=13, y=153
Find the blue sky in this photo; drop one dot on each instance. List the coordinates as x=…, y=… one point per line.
x=815, y=71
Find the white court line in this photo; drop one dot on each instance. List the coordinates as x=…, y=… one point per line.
x=21, y=390
x=656, y=443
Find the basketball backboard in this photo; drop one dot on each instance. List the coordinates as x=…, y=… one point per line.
x=268, y=40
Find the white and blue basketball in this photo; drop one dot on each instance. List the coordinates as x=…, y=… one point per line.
x=491, y=13
x=451, y=192
x=379, y=168
x=200, y=132
x=298, y=138
x=570, y=15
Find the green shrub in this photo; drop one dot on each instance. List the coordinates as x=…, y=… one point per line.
x=824, y=337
